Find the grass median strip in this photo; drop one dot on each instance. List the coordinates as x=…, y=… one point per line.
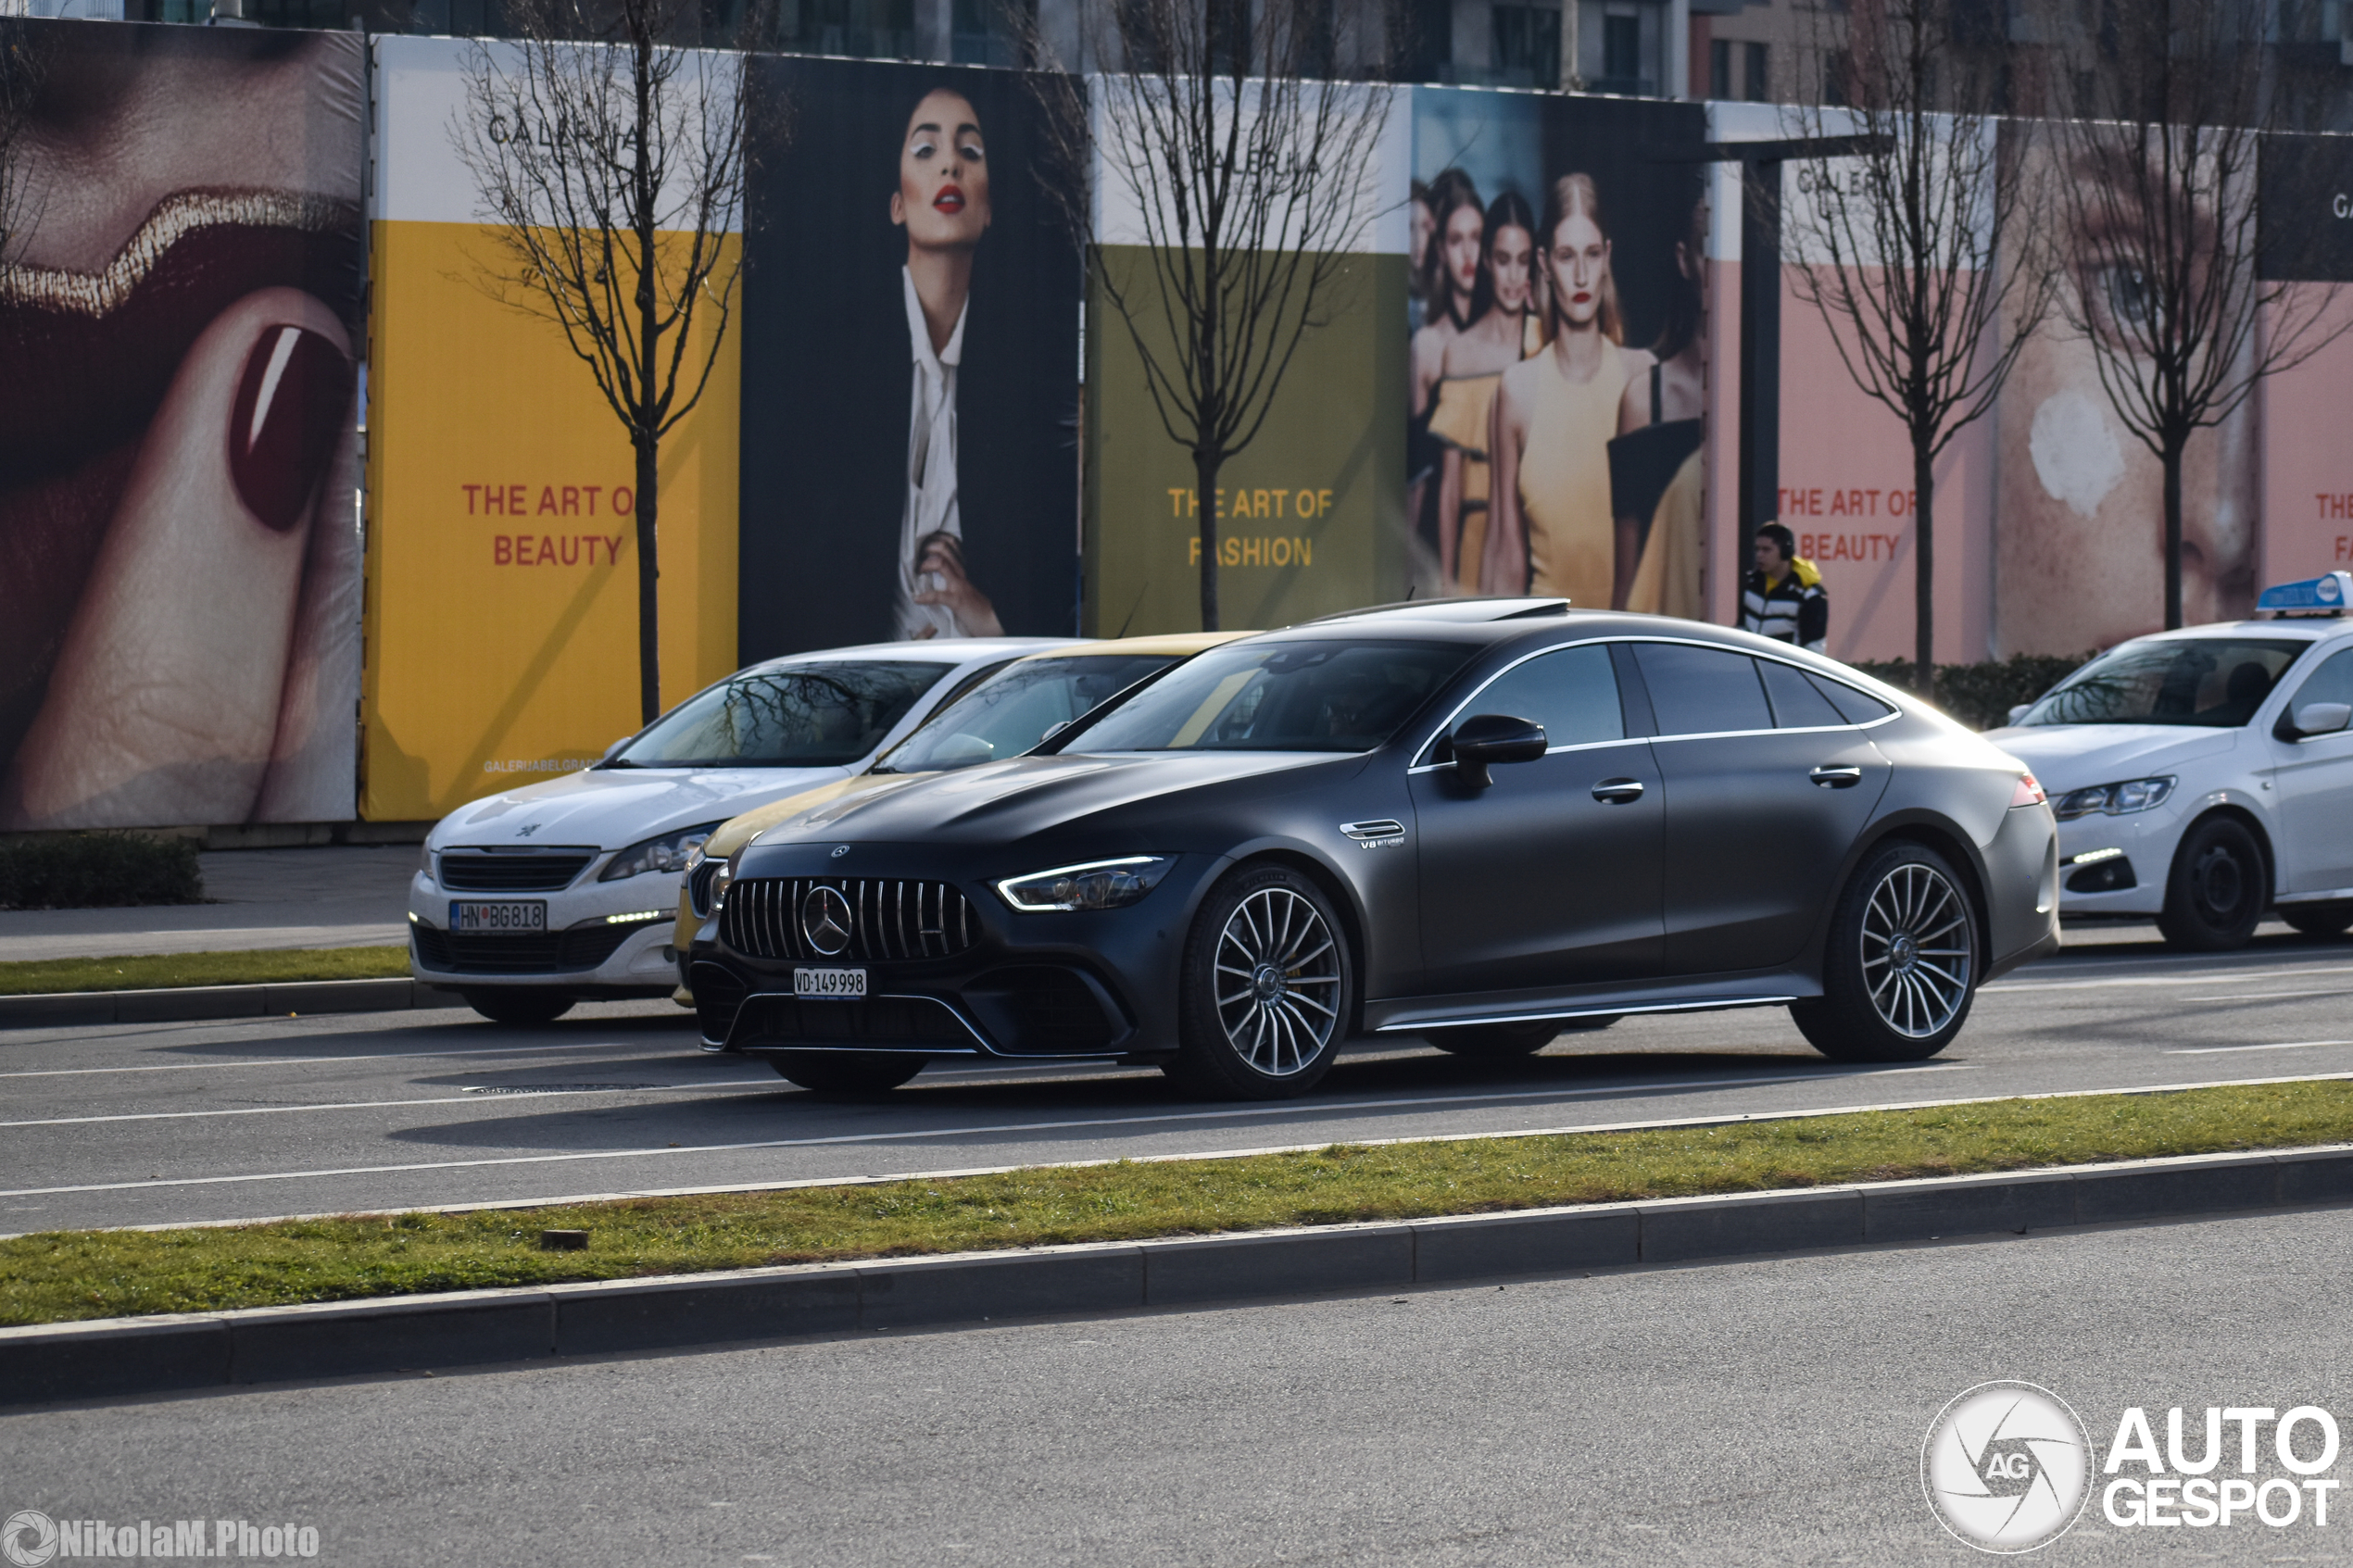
x=276, y=966
x=63, y=1276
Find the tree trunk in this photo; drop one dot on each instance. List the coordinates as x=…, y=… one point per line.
x=1923, y=570
x=2172, y=462
x=1206, y=467
x=648, y=580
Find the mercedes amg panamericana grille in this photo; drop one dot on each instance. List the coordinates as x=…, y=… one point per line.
x=533, y=870
x=775, y=918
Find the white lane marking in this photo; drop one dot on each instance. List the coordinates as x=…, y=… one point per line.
x=2264, y=996
x=309, y=1060
x=521, y=1092
x=1721, y=1119
x=2205, y=977
x=2282, y=1046
x=1375, y=1105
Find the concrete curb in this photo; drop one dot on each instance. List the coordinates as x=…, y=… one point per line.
x=189, y=1004
x=120, y=1357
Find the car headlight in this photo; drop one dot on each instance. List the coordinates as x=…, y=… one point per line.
x=2116, y=799
x=667, y=853
x=1097, y=884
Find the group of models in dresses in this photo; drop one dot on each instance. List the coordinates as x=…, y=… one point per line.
x=1557, y=459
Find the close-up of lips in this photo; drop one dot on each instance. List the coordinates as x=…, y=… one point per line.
x=951, y=199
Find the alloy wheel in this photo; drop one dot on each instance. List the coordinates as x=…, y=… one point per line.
x=1278, y=981
x=1919, y=947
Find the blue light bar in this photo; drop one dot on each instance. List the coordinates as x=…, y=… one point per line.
x=2328, y=594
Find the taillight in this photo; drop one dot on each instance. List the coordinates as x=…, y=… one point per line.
x=2028, y=792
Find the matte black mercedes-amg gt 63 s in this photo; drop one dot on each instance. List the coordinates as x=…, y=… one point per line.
x=1478, y=823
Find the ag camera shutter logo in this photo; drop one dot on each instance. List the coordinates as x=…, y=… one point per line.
x=2006, y=1467
x=30, y=1537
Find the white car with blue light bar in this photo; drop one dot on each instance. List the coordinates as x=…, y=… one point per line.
x=2205, y=776
x=535, y=898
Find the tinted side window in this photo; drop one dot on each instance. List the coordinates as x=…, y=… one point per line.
x=1860, y=708
x=1798, y=704
x=1571, y=692
x=1702, y=691
x=2333, y=682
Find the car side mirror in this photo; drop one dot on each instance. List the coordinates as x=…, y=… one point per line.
x=2018, y=713
x=614, y=749
x=2317, y=719
x=1488, y=738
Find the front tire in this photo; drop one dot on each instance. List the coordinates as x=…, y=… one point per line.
x=1900, y=970
x=2319, y=920
x=1264, y=994
x=848, y=1072
x=515, y=1005
x=2215, y=893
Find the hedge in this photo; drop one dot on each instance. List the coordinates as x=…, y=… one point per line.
x=82, y=871
x=1982, y=696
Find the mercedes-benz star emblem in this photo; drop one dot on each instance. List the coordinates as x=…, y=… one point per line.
x=824, y=920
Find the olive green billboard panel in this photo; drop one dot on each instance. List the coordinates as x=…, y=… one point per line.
x=1310, y=517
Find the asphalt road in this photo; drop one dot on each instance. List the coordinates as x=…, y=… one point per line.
x=1762, y=1412
x=167, y=1124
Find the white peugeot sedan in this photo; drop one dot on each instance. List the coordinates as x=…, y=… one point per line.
x=2205, y=775
x=538, y=898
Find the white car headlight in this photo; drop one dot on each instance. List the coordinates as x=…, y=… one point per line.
x=1097, y=884
x=2116, y=799
x=668, y=853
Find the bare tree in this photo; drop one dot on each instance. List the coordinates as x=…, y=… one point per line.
x=614, y=165
x=1239, y=174
x=1905, y=238
x=2157, y=191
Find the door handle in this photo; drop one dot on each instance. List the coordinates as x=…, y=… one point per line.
x=1836, y=775
x=1617, y=792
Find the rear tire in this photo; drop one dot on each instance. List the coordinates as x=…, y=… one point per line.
x=518, y=1006
x=2216, y=891
x=1900, y=970
x=2319, y=920
x=848, y=1072
x=1265, y=996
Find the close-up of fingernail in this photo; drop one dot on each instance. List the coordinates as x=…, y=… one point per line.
x=293, y=404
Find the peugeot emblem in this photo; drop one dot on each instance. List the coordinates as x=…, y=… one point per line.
x=824, y=920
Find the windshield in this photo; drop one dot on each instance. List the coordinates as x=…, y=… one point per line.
x=1321, y=696
x=2215, y=681
x=1014, y=712
x=805, y=716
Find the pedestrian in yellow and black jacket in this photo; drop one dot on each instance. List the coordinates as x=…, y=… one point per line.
x=1782, y=598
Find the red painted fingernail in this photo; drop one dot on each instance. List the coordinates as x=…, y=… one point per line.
x=292, y=405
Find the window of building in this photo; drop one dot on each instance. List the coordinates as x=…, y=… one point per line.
x=992, y=32
x=1622, y=50
x=1528, y=45
x=863, y=28
x=1757, y=86
x=1720, y=67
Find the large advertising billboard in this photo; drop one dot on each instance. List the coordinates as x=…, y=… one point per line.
x=179, y=536
x=502, y=575
x=2307, y=241
x=910, y=362
x=1558, y=367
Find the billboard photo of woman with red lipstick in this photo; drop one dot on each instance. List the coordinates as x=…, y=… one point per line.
x=910, y=366
x=179, y=538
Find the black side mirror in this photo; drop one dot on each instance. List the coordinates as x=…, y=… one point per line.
x=1485, y=738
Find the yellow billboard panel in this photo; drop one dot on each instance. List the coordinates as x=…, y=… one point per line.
x=501, y=612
